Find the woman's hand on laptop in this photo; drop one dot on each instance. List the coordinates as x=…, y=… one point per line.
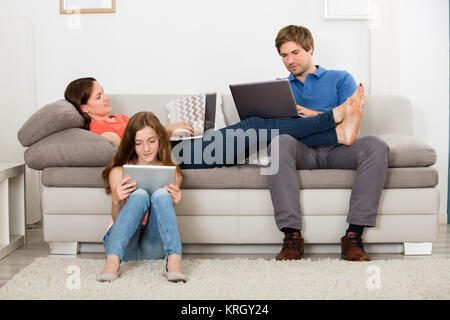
x=174, y=192
x=307, y=112
x=179, y=126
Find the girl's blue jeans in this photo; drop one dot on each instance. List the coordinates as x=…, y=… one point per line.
x=159, y=238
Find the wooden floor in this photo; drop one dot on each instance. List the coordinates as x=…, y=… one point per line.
x=36, y=247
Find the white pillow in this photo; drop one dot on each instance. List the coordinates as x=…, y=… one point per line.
x=190, y=109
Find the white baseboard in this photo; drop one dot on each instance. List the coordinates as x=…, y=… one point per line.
x=274, y=249
x=261, y=248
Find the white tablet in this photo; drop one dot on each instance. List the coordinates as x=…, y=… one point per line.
x=150, y=178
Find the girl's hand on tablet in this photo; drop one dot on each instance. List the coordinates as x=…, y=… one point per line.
x=175, y=192
x=123, y=190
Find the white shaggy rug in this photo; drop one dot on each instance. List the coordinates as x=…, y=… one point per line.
x=238, y=278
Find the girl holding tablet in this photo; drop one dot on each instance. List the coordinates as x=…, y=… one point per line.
x=145, y=226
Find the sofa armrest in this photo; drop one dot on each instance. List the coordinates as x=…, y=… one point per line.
x=407, y=151
x=70, y=148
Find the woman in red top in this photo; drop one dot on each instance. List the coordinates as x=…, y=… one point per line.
x=90, y=100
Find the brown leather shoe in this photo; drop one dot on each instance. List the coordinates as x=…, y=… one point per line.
x=352, y=248
x=292, y=247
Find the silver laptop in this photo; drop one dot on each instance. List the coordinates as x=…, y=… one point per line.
x=150, y=178
x=265, y=99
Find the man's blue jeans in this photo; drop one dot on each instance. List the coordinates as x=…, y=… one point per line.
x=159, y=238
x=314, y=131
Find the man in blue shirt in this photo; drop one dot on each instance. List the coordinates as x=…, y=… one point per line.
x=317, y=90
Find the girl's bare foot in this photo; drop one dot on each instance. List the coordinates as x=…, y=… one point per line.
x=174, y=263
x=112, y=264
x=347, y=130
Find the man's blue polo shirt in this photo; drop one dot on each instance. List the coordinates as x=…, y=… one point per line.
x=323, y=89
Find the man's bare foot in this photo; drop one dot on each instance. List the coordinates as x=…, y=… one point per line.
x=174, y=263
x=112, y=264
x=357, y=96
x=347, y=130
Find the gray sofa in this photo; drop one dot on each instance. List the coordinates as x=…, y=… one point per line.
x=228, y=209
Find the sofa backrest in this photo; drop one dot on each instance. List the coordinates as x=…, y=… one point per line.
x=387, y=114
x=382, y=113
x=229, y=110
x=130, y=104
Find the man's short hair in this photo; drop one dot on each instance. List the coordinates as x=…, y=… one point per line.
x=298, y=34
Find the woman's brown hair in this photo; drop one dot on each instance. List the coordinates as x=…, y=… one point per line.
x=78, y=93
x=126, y=152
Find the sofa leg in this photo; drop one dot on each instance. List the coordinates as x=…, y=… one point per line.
x=417, y=248
x=59, y=247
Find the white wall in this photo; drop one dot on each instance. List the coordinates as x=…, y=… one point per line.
x=181, y=46
x=425, y=76
x=186, y=46
x=410, y=56
x=17, y=77
x=18, y=99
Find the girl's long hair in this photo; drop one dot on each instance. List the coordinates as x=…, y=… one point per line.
x=126, y=152
x=78, y=93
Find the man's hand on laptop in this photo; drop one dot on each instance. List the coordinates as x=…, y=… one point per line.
x=307, y=112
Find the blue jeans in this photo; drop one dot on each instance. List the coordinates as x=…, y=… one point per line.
x=314, y=131
x=159, y=238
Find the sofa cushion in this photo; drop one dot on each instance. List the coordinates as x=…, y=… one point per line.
x=406, y=151
x=70, y=148
x=51, y=118
x=86, y=177
x=248, y=177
